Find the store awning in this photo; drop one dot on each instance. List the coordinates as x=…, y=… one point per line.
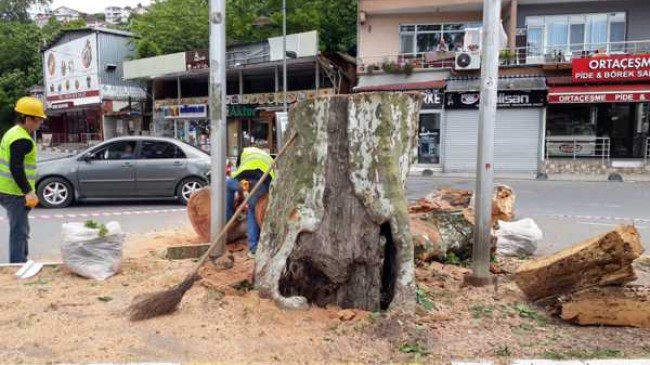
x=435, y=84
x=621, y=93
x=504, y=83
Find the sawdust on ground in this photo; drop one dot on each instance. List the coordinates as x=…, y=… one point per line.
x=58, y=317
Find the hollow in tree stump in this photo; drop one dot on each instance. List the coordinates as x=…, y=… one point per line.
x=336, y=229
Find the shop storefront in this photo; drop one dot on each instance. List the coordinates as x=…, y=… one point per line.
x=604, y=114
x=518, y=134
x=185, y=119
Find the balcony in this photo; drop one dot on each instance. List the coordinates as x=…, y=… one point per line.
x=558, y=54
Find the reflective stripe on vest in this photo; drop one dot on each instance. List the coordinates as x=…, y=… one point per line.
x=7, y=183
x=253, y=158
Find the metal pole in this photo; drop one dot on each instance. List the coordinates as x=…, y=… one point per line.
x=218, y=121
x=484, y=166
x=284, y=54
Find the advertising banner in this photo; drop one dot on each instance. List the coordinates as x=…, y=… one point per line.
x=71, y=73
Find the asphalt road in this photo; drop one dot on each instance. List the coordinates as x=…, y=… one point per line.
x=567, y=212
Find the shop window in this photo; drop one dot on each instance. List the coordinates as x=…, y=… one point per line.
x=570, y=120
x=160, y=150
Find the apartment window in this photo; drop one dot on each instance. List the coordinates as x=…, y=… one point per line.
x=566, y=34
x=423, y=38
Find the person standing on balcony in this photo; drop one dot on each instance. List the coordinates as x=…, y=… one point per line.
x=18, y=156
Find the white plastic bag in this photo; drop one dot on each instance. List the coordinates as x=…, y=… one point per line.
x=87, y=254
x=518, y=238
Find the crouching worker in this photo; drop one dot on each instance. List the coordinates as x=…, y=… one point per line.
x=252, y=164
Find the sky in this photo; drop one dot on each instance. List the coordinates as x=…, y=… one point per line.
x=96, y=6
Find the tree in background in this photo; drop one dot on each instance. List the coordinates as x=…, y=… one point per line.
x=178, y=25
x=18, y=10
x=20, y=65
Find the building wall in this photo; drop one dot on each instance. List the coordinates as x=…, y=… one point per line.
x=380, y=33
x=114, y=49
x=638, y=13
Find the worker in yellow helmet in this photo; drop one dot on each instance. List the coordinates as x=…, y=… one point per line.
x=252, y=164
x=18, y=174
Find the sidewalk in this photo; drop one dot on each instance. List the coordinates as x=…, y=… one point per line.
x=419, y=172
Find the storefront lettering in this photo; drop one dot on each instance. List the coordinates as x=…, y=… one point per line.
x=184, y=111
x=505, y=99
x=242, y=111
x=611, y=68
x=623, y=97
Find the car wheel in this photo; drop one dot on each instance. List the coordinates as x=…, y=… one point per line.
x=188, y=187
x=55, y=192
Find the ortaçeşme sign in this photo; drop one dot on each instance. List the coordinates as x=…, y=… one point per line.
x=611, y=68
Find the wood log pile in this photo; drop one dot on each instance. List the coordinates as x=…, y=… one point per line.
x=588, y=283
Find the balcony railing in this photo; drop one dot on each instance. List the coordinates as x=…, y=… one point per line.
x=399, y=63
x=578, y=147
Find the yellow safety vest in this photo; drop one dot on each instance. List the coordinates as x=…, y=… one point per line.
x=253, y=158
x=7, y=183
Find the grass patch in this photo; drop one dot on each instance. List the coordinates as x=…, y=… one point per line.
x=481, y=311
x=525, y=311
x=423, y=300
x=584, y=354
x=503, y=351
x=415, y=349
x=37, y=282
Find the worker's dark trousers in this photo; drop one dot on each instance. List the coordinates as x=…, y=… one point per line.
x=232, y=186
x=18, y=226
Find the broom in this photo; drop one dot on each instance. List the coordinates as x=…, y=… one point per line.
x=167, y=301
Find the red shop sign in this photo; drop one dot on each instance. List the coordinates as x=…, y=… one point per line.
x=611, y=68
x=578, y=98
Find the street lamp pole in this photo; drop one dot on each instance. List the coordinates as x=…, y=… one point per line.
x=485, y=152
x=284, y=54
x=218, y=122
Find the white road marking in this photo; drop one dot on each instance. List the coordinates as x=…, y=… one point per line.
x=95, y=215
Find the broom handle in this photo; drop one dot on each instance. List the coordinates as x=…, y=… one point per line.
x=239, y=210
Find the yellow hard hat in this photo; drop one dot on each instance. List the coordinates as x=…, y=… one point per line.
x=30, y=106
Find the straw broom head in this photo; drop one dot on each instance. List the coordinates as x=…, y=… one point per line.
x=162, y=302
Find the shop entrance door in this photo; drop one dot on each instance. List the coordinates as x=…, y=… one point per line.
x=429, y=138
x=618, y=122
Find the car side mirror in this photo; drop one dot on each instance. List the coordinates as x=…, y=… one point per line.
x=86, y=157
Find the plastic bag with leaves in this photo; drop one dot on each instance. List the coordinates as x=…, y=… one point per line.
x=91, y=249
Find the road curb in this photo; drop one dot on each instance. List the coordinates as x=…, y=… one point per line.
x=562, y=362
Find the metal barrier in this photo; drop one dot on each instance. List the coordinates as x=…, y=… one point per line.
x=647, y=151
x=578, y=147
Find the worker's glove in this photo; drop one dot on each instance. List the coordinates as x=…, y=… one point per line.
x=31, y=200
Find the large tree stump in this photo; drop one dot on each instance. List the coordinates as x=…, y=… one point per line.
x=612, y=306
x=337, y=227
x=601, y=261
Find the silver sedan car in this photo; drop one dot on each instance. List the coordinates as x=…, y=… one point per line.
x=126, y=168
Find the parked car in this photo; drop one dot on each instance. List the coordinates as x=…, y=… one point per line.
x=126, y=168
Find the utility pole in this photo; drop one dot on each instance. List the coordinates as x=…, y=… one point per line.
x=485, y=155
x=218, y=122
x=282, y=118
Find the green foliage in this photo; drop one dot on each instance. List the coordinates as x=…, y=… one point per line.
x=179, y=25
x=100, y=16
x=413, y=349
x=423, y=300
x=93, y=224
x=584, y=354
x=503, y=351
x=17, y=10
x=480, y=311
x=525, y=311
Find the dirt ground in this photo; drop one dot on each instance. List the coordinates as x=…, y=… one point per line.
x=58, y=317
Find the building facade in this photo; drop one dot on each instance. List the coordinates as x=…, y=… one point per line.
x=555, y=114
x=179, y=85
x=87, y=98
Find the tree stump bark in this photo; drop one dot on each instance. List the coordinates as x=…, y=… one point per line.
x=337, y=227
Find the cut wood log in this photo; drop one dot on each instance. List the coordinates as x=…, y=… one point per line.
x=601, y=261
x=337, y=227
x=198, y=211
x=611, y=306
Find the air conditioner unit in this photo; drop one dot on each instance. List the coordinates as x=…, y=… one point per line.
x=467, y=61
